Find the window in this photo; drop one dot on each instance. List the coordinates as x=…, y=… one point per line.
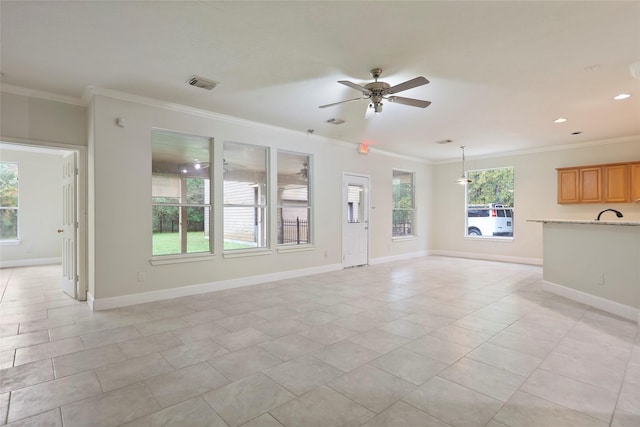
x=403, y=203
x=8, y=201
x=245, y=196
x=489, y=206
x=293, y=199
x=180, y=193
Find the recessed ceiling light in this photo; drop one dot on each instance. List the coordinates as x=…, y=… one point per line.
x=560, y=120
x=444, y=141
x=578, y=132
x=622, y=96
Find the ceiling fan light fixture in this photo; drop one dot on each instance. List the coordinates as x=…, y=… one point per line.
x=376, y=91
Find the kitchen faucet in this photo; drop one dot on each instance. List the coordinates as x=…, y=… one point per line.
x=618, y=213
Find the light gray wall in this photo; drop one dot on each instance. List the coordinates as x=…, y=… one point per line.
x=40, y=207
x=120, y=202
x=535, y=197
x=28, y=118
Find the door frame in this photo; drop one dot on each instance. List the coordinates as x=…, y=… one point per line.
x=366, y=209
x=82, y=204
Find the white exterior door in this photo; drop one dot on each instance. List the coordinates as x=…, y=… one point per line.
x=69, y=225
x=355, y=220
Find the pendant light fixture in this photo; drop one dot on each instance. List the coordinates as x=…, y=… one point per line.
x=463, y=180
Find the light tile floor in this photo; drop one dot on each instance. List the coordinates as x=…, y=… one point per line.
x=433, y=341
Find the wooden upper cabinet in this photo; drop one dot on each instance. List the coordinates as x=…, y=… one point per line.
x=590, y=185
x=634, y=182
x=609, y=183
x=616, y=183
x=568, y=186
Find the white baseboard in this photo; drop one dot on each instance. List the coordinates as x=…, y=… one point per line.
x=30, y=262
x=144, y=297
x=609, y=306
x=394, y=258
x=488, y=257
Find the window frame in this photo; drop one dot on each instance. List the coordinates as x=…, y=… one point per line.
x=411, y=210
x=489, y=206
x=263, y=207
x=185, y=255
x=309, y=203
x=15, y=208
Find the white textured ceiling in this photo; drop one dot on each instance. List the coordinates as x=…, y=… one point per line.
x=500, y=72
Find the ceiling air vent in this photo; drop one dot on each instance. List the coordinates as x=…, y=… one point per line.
x=335, y=121
x=201, y=82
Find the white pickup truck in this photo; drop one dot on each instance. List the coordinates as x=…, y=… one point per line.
x=490, y=220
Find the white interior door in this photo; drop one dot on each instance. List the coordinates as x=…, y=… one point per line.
x=355, y=220
x=69, y=228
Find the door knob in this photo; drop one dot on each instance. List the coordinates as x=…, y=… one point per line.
x=60, y=230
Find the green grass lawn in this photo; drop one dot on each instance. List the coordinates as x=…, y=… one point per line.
x=169, y=243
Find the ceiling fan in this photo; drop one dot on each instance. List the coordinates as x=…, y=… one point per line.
x=304, y=172
x=377, y=91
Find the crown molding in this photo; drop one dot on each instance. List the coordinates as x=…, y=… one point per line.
x=563, y=147
x=33, y=93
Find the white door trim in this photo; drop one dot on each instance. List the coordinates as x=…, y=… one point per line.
x=82, y=201
x=366, y=211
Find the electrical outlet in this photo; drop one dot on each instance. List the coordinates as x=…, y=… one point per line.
x=142, y=276
x=601, y=279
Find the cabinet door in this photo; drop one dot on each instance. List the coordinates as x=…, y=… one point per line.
x=616, y=183
x=568, y=186
x=635, y=182
x=591, y=185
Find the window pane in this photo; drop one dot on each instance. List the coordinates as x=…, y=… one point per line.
x=8, y=224
x=245, y=174
x=244, y=227
x=403, y=203
x=8, y=199
x=8, y=185
x=245, y=196
x=293, y=226
x=180, y=193
x=355, y=203
x=490, y=203
x=293, y=198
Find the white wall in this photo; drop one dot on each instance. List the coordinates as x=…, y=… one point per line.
x=34, y=119
x=40, y=207
x=120, y=202
x=535, y=198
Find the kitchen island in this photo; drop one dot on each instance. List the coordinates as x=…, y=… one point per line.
x=594, y=262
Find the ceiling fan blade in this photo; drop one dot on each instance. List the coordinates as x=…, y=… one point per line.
x=352, y=85
x=343, y=102
x=409, y=101
x=409, y=84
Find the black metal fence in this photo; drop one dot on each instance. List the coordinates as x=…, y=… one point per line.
x=402, y=229
x=293, y=231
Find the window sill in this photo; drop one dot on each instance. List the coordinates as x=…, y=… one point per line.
x=241, y=253
x=178, y=259
x=10, y=242
x=403, y=238
x=490, y=238
x=295, y=248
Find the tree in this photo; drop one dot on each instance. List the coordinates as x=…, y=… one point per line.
x=490, y=186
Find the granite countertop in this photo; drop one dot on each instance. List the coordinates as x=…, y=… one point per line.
x=585, y=221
